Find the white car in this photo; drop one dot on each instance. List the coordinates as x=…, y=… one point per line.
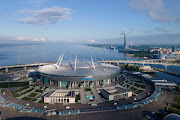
x=115, y=103
x=67, y=107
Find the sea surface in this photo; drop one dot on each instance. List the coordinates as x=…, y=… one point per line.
x=24, y=53
x=11, y=54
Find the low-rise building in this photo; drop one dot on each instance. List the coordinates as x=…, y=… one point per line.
x=57, y=96
x=116, y=94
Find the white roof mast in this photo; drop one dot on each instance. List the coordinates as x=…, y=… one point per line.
x=58, y=63
x=75, y=63
x=59, y=59
x=92, y=62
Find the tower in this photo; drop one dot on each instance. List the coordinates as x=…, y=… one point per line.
x=125, y=40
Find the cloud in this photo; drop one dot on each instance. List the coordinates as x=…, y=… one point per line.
x=45, y=16
x=156, y=9
x=36, y=1
x=160, y=29
x=92, y=41
x=10, y=38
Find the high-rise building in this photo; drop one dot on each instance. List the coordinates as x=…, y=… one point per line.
x=174, y=49
x=125, y=40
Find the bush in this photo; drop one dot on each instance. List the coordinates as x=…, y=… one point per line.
x=177, y=89
x=177, y=100
x=77, y=98
x=13, y=84
x=13, y=92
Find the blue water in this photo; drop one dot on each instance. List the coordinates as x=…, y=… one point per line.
x=14, y=54
x=169, y=77
x=24, y=53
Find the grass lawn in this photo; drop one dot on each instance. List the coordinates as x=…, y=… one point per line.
x=133, y=89
x=137, y=85
x=176, y=103
x=17, y=95
x=32, y=94
x=26, y=98
x=34, y=99
x=27, y=91
x=131, y=83
x=13, y=92
x=41, y=101
x=39, y=90
x=173, y=110
x=139, y=91
x=143, y=86
x=138, y=81
x=87, y=89
x=21, y=89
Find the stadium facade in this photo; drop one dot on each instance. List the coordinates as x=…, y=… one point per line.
x=77, y=73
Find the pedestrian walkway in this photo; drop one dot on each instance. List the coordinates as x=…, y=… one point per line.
x=82, y=96
x=25, y=90
x=27, y=94
x=97, y=97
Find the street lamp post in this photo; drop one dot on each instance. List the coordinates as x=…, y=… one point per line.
x=133, y=108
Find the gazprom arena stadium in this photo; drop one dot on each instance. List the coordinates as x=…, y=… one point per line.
x=77, y=73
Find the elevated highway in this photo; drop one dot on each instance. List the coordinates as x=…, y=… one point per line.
x=22, y=66
x=143, y=62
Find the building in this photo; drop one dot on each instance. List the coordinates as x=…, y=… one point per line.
x=165, y=84
x=174, y=49
x=161, y=56
x=77, y=73
x=146, y=68
x=125, y=40
x=172, y=116
x=116, y=94
x=161, y=50
x=57, y=96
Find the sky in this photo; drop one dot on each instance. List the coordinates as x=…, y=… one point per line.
x=90, y=21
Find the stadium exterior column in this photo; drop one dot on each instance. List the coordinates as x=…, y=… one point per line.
x=84, y=83
x=70, y=84
x=49, y=82
x=118, y=64
x=74, y=84
x=88, y=83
